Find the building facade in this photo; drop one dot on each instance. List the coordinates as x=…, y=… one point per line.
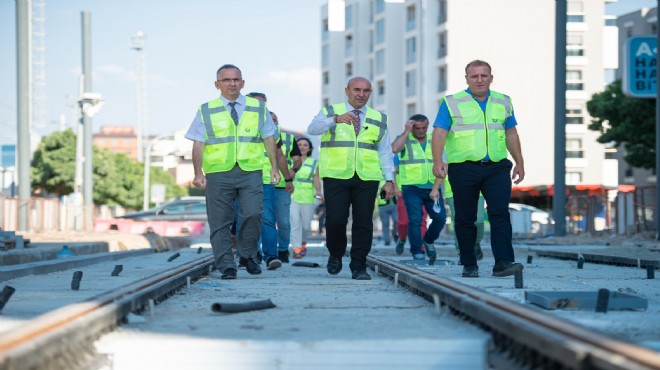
x=117, y=139
x=415, y=53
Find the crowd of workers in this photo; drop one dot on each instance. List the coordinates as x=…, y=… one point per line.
x=262, y=184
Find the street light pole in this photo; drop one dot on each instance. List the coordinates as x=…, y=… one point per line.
x=147, y=164
x=139, y=44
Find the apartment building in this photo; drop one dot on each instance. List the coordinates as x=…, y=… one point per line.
x=641, y=22
x=415, y=53
x=117, y=139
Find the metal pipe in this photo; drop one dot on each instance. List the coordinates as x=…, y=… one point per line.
x=559, y=198
x=24, y=102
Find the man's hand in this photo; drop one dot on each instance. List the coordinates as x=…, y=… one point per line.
x=274, y=176
x=440, y=170
x=347, y=118
x=288, y=187
x=389, y=190
x=199, y=181
x=409, y=126
x=518, y=173
x=435, y=194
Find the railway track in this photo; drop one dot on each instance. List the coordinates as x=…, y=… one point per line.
x=521, y=338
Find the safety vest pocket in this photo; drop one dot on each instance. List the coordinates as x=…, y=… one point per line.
x=464, y=140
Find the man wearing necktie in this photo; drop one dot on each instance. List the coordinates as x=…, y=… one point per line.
x=355, y=155
x=229, y=135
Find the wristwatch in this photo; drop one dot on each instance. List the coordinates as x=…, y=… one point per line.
x=288, y=180
x=390, y=181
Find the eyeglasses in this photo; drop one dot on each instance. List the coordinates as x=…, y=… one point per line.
x=228, y=80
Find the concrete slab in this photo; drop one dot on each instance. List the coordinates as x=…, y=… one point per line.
x=584, y=300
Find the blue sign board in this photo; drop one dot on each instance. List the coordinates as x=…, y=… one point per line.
x=639, y=67
x=8, y=156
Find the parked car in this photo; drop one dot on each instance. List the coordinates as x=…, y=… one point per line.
x=177, y=209
x=542, y=221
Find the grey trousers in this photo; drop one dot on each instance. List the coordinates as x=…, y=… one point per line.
x=221, y=190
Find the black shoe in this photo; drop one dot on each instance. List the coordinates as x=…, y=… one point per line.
x=506, y=268
x=252, y=267
x=478, y=252
x=430, y=251
x=334, y=265
x=399, y=246
x=242, y=262
x=229, y=274
x=273, y=263
x=395, y=236
x=283, y=256
x=470, y=271
x=361, y=274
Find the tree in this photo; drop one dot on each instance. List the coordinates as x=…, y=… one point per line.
x=625, y=120
x=118, y=180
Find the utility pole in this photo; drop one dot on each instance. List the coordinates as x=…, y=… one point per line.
x=88, y=180
x=559, y=198
x=139, y=44
x=24, y=99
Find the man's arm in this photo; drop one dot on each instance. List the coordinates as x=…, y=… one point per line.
x=400, y=141
x=197, y=152
x=513, y=146
x=438, y=147
x=271, y=149
x=283, y=166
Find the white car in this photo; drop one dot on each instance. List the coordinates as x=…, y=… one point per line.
x=541, y=220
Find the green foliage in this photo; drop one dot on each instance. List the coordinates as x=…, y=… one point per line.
x=625, y=120
x=118, y=180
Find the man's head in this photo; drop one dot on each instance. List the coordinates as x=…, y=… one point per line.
x=229, y=81
x=258, y=95
x=420, y=127
x=358, y=92
x=478, y=77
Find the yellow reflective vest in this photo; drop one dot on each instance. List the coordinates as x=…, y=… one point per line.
x=343, y=154
x=415, y=163
x=473, y=133
x=228, y=144
x=287, y=141
x=303, y=183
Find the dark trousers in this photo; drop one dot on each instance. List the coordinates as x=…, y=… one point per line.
x=340, y=195
x=493, y=179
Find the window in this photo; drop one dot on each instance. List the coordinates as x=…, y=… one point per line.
x=574, y=45
x=380, y=31
x=348, y=17
x=411, y=83
x=411, y=109
x=324, y=30
x=324, y=56
x=574, y=80
x=442, y=11
x=380, y=6
x=101, y=142
x=573, y=178
x=349, y=69
x=411, y=50
x=380, y=92
x=442, y=44
x=575, y=12
x=574, y=148
x=574, y=114
x=610, y=22
x=380, y=62
x=371, y=41
x=326, y=77
x=410, y=18
x=442, y=79
x=348, y=51
x=610, y=153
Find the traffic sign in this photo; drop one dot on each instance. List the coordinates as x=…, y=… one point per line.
x=639, y=67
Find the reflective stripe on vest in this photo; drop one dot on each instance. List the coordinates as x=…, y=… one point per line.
x=415, y=163
x=287, y=141
x=228, y=144
x=473, y=133
x=303, y=183
x=343, y=154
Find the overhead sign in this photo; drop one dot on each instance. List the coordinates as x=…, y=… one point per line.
x=640, y=67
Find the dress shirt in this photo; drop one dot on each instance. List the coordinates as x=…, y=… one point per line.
x=321, y=124
x=197, y=130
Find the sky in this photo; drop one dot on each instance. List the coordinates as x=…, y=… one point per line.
x=275, y=43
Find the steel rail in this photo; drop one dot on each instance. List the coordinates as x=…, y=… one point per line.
x=43, y=341
x=524, y=337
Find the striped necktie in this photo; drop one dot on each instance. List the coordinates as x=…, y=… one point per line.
x=356, y=127
x=234, y=114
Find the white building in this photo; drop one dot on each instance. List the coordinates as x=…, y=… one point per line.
x=415, y=53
